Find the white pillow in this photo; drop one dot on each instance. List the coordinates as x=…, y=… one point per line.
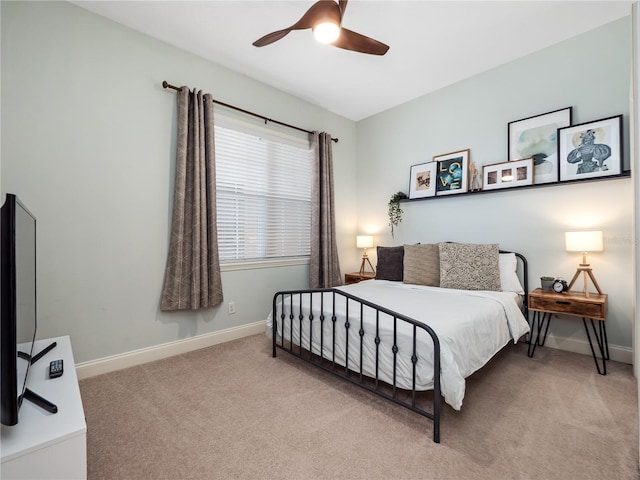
x=509, y=280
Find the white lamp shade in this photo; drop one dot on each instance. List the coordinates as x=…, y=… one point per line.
x=585, y=241
x=364, y=241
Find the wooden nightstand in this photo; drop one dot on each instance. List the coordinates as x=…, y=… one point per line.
x=355, y=277
x=544, y=304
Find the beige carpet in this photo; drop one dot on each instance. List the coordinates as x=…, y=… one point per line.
x=232, y=411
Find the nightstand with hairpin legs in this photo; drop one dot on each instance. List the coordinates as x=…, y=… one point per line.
x=593, y=307
x=357, y=277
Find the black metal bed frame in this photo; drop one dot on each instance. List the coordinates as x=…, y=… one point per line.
x=372, y=384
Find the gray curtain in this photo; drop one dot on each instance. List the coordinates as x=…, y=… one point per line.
x=192, y=275
x=324, y=270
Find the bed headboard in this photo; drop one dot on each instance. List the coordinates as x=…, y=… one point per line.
x=523, y=274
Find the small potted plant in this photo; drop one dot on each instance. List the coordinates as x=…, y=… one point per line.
x=395, y=212
x=547, y=283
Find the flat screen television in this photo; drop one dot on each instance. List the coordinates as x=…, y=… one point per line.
x=18, y=311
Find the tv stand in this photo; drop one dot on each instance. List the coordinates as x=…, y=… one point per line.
x=43, y=445
x=36, y=399
x=38, y=355
x=30, y=394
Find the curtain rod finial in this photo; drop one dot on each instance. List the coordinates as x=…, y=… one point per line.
x=165, y=84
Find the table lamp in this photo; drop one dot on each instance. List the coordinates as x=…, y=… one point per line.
x=584, y=242
x=365, y=241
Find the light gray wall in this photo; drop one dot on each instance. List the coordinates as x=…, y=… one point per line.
x=590, y=72
x=635, y=162
x=88, y=142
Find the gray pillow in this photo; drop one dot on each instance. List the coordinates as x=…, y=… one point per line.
x=390, y=261
x=422, y=264
x=467, y=266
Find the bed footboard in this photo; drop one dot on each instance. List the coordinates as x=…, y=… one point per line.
x=315, y=324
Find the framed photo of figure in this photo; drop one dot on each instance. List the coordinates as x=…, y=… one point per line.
x=590, y=150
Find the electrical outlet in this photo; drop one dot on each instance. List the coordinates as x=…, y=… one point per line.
x=232, y=308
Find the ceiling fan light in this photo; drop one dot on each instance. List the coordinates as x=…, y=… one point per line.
x=326, y=32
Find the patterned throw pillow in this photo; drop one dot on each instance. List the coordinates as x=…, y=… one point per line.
x=390, y=261
x=422, y=264
x=468, y=266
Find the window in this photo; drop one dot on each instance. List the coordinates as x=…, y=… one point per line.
x=263, y=193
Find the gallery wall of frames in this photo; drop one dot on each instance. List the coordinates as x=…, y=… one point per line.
x=545, y=149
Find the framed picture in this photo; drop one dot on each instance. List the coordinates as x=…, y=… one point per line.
x=423, y=180
x=452, y=172
x=536, y=137
x=508, y=174
x=590, y=150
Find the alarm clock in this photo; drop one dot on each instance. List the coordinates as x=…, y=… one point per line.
x=559, y=285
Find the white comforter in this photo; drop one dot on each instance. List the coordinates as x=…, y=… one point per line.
x=472, y=326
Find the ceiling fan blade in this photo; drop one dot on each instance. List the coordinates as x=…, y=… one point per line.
x=317, y=11
x=343, y=6
x=271, y=37
x=359, y=43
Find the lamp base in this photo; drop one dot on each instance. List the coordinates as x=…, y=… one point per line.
x=365, y=259
x=587, y=273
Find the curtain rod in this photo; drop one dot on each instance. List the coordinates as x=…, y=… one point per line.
x=165, y=84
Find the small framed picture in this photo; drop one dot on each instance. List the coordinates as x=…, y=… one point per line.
x=590, y=150
x=508, y=174
x=452, y=172
x=423, y=180
x=536, y=137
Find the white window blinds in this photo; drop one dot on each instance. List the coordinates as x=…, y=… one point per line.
x=263, y=195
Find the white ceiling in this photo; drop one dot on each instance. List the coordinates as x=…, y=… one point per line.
x=433, y=43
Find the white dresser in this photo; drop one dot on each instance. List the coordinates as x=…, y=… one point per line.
x=44, y=445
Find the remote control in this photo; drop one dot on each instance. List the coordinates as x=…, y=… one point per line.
x=55, y=368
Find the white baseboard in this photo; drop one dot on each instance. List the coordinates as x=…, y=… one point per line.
x=157, y=352
x=616, y=352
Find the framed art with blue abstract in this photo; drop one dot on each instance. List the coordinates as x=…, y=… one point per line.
x=452, y=172
x=590, y=150
x=537, y=137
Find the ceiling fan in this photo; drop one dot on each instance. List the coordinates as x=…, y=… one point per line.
x=325, y=19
